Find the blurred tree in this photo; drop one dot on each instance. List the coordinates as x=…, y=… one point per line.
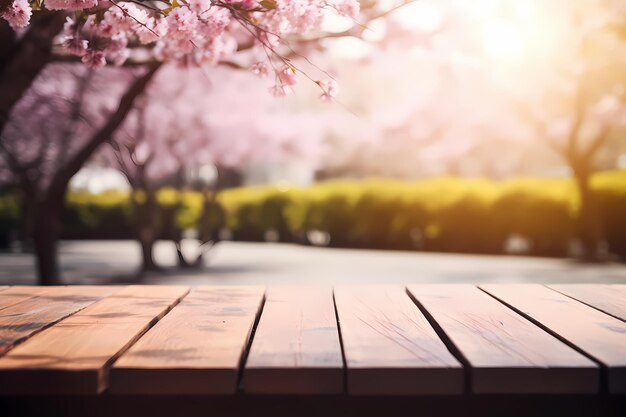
x=501, y=79
x=51, y=133
x=575, y=100
x=187, y=131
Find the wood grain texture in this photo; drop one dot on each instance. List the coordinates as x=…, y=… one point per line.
x=296, y=347
x=14, y=295
x=389, y=346
x=72, y=357
x=507, y=353
x=610, y=299
x=601, y=336
x=196, y=349
x=24, y=319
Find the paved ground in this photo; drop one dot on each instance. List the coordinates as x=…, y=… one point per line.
x=267, y=263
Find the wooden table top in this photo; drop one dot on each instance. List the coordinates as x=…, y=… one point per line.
x=355, y=340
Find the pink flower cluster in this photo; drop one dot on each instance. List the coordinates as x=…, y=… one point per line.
x=70, y=5
x=190, y=32
x=299, y=16
x=194, y=33
x=17, y=14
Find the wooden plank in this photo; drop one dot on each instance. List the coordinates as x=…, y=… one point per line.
x=196, y=349
x=507, y=353
x=72, y=357
x=22, y=320
x=17, y=294
x=389, y=346
x=296, y=347
x=599, y=335
x=619, y=287
x=608, y=298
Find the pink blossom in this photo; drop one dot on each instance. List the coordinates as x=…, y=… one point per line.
x=75, y=45
x=260, y=69
x=94, y=59
x=249, y=4
x=277, y=90
x=182, y=23
x=122, y=17
x=116, y=50
x=17, y=14
x=214, y=21
x=291, y=16
x=287, y=75
x=329, y=90
x=120, y=56
x=199, y=6
x=70, y=26
x=153, y=29
x=348, y=8
x=216, y=50
x=104, y=29
x=70, y=4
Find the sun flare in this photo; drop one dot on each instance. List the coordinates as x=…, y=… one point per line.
x=502, y=41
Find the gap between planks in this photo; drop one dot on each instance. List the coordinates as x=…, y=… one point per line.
x=390, y=348
x=296, y=348
x=597, y=335
x=28, y=317
x=607, y=298
x=196, y=349
x=74, y=355
x=503, y=352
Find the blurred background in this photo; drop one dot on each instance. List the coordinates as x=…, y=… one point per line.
x=469, y=141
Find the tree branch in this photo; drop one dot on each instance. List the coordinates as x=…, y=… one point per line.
x=76, y=106
x=59, y=183
x=26, y=59
x=598, y=142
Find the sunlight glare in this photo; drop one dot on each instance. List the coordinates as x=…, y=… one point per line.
x=421, y=16
x=335, y=23
x=348, y=48
x=502, y=41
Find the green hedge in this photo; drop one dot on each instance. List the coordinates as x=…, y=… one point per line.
x=445, y=214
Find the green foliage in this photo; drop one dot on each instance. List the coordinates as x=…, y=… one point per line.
x=9, y=217
x=611, y=190
x=445, y=214
x=106, y=215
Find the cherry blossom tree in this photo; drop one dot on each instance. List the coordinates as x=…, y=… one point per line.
x=52, y=131
x=192, y=123
x=260, y=34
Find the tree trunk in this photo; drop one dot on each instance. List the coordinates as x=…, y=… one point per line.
x=147, y=255
x=145, y=213
x=45, y=232
x=589, y=223
x=24, y=57
x=45, y=243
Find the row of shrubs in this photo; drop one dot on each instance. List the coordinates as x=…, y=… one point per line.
x=446, y=214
